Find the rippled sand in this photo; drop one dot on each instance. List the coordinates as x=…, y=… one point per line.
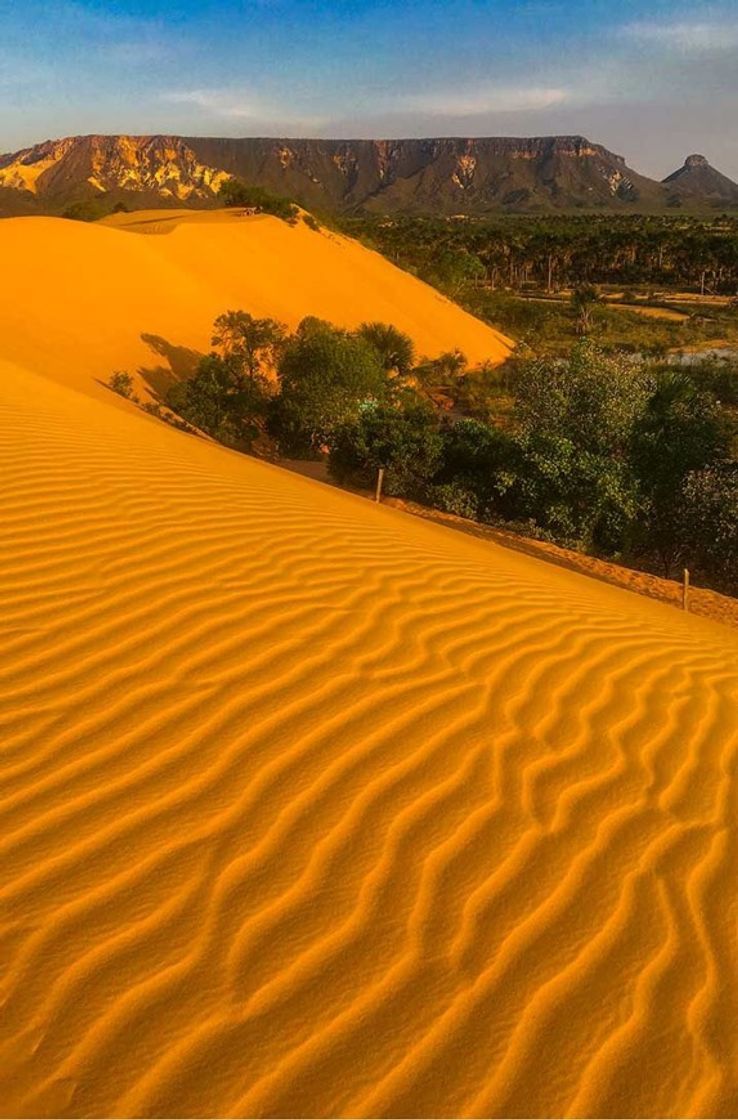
x=308, y=807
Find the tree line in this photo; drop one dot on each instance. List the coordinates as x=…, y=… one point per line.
x=560, y=251
x=598, y=452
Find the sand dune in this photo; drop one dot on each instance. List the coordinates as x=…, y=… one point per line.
x=84, y=300
x=308, y=807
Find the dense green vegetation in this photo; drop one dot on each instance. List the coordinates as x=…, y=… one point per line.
x=603, y=453
x=559, y=251
x=324, y=376
x=228, y=395
x=519, y=273
x=599, y=451
x=403, y=438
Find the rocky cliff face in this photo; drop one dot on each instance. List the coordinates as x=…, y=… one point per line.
x=442, y=176
x=445, y=176
x=162, y=166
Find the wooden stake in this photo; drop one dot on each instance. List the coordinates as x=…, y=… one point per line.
x=685, y=590
x=380, y=480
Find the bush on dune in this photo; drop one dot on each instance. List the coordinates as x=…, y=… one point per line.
x=249, y=344
x=122, y=384
x=234, y=192
x=476, y=469
x=218, y=401
x=405, y=441
x=228, y=396
x=576, y=419
x=86, y=210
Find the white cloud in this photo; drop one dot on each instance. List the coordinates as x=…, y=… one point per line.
x=484, y=99
x=219, y=102
x=240, y=105
x=245, y=105
x=698, y=37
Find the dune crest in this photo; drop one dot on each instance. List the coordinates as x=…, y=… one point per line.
x=311, y=808
x=86, y=299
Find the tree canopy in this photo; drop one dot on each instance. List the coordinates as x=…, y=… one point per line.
x=248, y=343
x=681, y=430
x=325, y=374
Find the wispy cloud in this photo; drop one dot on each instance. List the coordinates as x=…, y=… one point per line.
x=231, y=104
x=484, y=99
x=687, y=37
x=224, y=103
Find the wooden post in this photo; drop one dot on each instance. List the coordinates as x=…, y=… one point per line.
x=685, y=590
x=380, y=480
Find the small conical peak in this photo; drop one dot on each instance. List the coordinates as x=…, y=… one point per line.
x=696, y=161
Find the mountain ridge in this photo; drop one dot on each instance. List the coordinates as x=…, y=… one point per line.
x=441, y=175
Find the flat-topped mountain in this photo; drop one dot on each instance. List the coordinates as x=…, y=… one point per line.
x=445, y=176
x=441, y=176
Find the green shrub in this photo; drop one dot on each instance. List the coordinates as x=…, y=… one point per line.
x=405, y=442
x=577, y=418
x=247, y=343
x=233, y=192
x=454, y=497
x=395, y=349
x=477, y=460
x=218, y=400
x=122, y=383
x=86, y=210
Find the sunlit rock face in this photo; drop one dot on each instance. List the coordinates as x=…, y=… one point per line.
x=445, y=176
x=161, y=165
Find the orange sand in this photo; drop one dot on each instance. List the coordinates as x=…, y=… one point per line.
x=710, y=604
x=81, y=296
x=309, y=807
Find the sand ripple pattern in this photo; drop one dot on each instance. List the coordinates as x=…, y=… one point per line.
x=309, y=808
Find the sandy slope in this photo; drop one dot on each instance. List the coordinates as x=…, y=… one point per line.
x=83, y=300
x=309, y=807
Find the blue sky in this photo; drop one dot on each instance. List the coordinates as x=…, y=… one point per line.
x=654, y=81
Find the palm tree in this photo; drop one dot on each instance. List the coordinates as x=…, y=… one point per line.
x=584, y=299
x=395, y=348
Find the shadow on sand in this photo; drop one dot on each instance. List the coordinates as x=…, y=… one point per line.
x=181, y=363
